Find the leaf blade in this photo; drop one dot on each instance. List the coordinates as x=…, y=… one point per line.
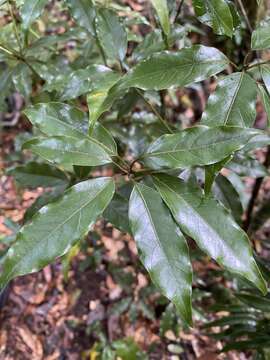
x=170, y=269
x=57, y=227
x=208, y=223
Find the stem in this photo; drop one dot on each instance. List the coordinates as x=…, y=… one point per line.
x=255, y=192
x=153, y=109
x=14, y=25
x=243, y=10
x=257, y=64
x=179, y=10
x=6, y=50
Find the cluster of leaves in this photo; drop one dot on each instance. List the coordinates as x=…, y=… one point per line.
x=155, y=193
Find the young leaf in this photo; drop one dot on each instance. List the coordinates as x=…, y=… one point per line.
x=199, y=145
x=60, y=119
x=84, y=13
x=161, y=8
x=233, y=103
x=111, y=34
x=166, y=69
x=33, y=175
x=56, y=228
x=216, y=14
x=31, y=10
x=162, y=246
x=67, y=150
x=260, y=39
x=211, y=226
x=211, y=172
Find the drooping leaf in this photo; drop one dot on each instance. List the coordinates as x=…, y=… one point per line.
x=34, y=174
x=111, y=34
x=199, y=145
x=117, y=211
x=265, y=72
x=162, y=10
x=228, y=196
x=265, y=100
x=216, y=14
x=260, y=39
x=84, y=13
x=211, y=226
x=31, y=10
x=166, y=69
x=56, y=228
x=67, y=150
x=61, y=119
x=163, y=248
x=233, y=102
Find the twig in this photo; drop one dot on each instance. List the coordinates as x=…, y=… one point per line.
x=179, y=10
x=250, y=66
x=243, y=10
x=255, y=192
x=153, y=109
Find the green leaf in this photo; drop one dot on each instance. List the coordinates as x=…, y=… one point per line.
x=162, y=10
x=33, y=175
x=31, y=10
x=166, y=69
x=265, y=73
x=163, y=248
x=245, y=165
x=233, y=103
x=56, y=228
x=60, y=119
x=97, y=96
x=79, y=82
x=260, y=39
x=216, y=14
x=111, y=34
x=117, y=211
x=84, y=13
x=211, y=172
x=229, y=197
x=67, y=150
x=265, y=97
x=211, y=226
x=199, y=145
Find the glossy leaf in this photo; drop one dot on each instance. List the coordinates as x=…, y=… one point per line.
x=261, y=37
x=228, y=196
x=265, y=73
x=31, y=10
x=79, y=82
x=60, y=119
x=163, y=249
x=265, y=100
x=216, y=14
x=56, y=228
x=211, y=226
x=245, y=165
x=211, y=172
x=111, y=34
x=166, y=69
x=162, y=10
x=33, y=175
x=67, y=150
x=233, y=102
x=84, y=13
x=199, y=145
